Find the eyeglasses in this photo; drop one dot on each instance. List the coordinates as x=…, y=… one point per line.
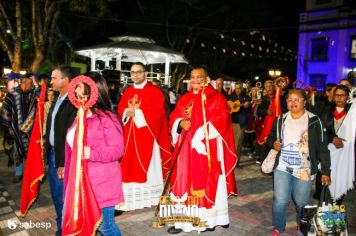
x=340, y=95
x=139, y=72
x=296, y=100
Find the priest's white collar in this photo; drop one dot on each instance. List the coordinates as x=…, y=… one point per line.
x=140, y=86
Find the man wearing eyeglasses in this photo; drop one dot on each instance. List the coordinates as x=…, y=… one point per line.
x=147, y=142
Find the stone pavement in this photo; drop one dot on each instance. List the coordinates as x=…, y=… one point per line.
x=250, y=212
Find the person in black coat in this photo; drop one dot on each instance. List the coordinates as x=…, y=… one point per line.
x=60, y=117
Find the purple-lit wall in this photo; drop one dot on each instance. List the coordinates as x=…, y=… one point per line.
x=338, y=64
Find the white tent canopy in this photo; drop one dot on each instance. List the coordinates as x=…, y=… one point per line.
x=132, y=49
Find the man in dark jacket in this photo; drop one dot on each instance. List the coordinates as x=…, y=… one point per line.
x=60, y=117
x=239, y=115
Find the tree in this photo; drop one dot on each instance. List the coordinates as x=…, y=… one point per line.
x=28, y=24
x=27, y=27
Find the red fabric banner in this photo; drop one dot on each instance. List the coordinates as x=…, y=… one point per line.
x=275, y=107
x=81, y=212
x=34, y=168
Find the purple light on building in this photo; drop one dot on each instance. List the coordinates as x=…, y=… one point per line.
x=327, y=43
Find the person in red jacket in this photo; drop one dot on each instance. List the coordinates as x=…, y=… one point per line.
x=147, y=142
x=204, y=169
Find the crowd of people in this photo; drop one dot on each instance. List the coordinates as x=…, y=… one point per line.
x=191, y=142
x=313, y=133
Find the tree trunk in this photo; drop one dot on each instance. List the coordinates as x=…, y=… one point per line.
x=16, y=63
x=36, y=63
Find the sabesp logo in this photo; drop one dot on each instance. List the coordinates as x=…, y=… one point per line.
x=11, y=224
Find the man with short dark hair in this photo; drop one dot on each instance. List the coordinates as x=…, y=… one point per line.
x=17, y=113
x=147, y=144
x=60, y=117
x=239, y=115
x=201, y=129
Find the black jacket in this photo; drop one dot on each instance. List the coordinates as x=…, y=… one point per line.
x=64, y=119
x=317, y=143
x=327, y=118
x=240, y=117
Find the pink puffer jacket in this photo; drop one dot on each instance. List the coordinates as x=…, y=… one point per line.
x=105, y=139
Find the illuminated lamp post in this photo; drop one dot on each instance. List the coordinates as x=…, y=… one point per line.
x=274, y=73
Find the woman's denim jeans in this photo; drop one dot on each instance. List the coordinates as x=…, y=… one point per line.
x=108, y=226
x=285, y=187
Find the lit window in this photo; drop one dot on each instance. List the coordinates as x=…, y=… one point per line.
x=353, y=48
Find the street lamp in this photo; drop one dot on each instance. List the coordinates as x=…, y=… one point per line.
x=274, y=73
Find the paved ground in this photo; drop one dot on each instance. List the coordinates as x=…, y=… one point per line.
x=250, y=212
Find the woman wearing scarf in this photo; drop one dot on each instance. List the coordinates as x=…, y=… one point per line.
x=340, y=126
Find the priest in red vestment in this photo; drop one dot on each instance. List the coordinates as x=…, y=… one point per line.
x=201, y=124
x=147, y=143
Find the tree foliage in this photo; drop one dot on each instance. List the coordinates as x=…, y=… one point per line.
x=28, y=28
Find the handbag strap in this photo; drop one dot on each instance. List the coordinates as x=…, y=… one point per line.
x=325, y=196
x=278, y=135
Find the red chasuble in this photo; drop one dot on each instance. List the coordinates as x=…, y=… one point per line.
x=197, y=174
x=139, y=141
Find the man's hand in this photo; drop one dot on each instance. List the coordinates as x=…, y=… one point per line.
x=185, y=124
x=325, y=180
x=269, y=112
x=277, y=145
x=338, y=142
x=130, y=112
x=246, y=104
x=11, y=132
x=60, y=172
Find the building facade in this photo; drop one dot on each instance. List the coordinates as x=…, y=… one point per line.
x=327, y=42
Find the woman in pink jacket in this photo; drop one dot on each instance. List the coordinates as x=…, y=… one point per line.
x=104, y=147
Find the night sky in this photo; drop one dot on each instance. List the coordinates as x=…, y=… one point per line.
x=239, y=38
x=217, y=34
